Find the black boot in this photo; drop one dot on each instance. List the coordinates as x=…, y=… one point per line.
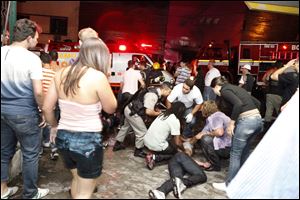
x=139, y=153
x=118, y=146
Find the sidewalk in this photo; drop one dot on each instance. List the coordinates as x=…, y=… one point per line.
x=123, y=176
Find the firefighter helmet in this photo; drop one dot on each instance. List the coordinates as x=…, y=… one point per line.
x=156, y=65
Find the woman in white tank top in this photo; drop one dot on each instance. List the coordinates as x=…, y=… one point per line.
x=82, y=91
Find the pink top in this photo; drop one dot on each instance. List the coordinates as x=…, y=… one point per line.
x=79, y=117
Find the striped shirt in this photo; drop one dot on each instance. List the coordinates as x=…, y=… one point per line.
x=184, y=73
x=48, y=75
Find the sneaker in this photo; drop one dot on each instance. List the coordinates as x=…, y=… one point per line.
x=119, y=127
x=54, y=155
x=118, y=146
x=150, y=162
x=156, y=194
x=47, y=144
x=219, y=186
x=10, y=192
x=41, y=193
x=179, y=187
x=139, y=153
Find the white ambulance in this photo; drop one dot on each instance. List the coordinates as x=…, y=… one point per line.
x=68, y=51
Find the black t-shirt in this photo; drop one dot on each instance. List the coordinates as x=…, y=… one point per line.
x=289, y=83
x=249, y=83
x=199, y=80
x=224, y=105
x=274, y=87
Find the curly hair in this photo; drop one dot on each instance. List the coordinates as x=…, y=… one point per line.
x=209, y=108
x=178, y=109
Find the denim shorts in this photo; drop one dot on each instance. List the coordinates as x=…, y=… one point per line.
x=81, y=150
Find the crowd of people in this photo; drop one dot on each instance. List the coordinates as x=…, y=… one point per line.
x=67, y=104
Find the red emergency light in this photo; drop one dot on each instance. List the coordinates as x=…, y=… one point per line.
x=284, y=47
x=122, y=47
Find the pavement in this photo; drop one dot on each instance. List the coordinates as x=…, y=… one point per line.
x=123, y=177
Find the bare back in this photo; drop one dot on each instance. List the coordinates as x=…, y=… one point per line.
x=93, y=87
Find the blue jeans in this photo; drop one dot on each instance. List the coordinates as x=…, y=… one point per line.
x=209, y=94
x=22, y=128
x=81, y=150
x=46, y=134
x=245, y=131
x=46, y=138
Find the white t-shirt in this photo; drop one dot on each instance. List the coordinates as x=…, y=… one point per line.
x=187, y=99
x=18, y=67
x=130, y=80
x=210, y=75
x=242, y=81
x=157, y=134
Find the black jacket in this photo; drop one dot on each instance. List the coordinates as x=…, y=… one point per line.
x=239, y=98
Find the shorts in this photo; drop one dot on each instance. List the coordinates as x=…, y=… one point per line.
x=82, y=151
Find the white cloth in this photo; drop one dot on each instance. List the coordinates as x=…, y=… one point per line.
x=158, y=132
x=189, y=118
x=241, y=81
x=210, y=75
x=130, y=80
x=272, y=170
x=187, y=99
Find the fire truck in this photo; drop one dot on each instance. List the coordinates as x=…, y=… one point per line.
x=221, y=54
x=262, y=56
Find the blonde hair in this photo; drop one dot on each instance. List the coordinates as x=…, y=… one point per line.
x=209, y=108
x=86, y=33
x=93, y=53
